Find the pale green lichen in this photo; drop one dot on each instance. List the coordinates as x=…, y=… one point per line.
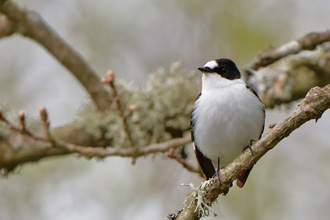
x=203, y=206
x=162, y=110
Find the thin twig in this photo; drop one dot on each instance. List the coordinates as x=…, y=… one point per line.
x=22, y=127
x=50, y=146
x=174, y=154
x=110, y=81
x=46, y=124
x=125, y=152
x=21, y=120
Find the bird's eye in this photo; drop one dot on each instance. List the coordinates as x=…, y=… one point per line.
x=224, y=70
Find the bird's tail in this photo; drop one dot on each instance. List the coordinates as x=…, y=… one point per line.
x=241, y=179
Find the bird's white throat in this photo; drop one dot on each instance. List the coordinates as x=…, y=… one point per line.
x=213, y=81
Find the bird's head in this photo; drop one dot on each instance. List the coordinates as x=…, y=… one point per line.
x=225, y=68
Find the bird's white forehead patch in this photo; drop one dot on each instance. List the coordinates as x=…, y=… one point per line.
x=211, y=64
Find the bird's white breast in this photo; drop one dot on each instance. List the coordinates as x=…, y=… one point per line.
x=226, y=118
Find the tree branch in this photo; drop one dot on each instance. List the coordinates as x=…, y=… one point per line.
x=24, y=146
x=7, y=28
x=126, y=152
x=307, y=42
x=316, y=102
x=290, y=79
x=101, y=134
x=109, y=79
x=175, y=155
x=30, y=24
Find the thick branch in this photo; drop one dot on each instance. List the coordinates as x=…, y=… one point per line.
x=307, y=42
x=290, y=79
x=30, y=24
x=316, y=102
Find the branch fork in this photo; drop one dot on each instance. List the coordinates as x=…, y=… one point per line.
x=109, y=80
x=21, y=128
x=175, y=155
x=38, y=147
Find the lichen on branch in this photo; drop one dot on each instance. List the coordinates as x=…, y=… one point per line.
x=159, y=121
x=289, y=79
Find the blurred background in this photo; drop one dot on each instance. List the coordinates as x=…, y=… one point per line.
x=134, y=38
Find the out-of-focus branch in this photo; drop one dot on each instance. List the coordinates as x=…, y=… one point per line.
x=24, y=146
x=21, y=128
x=126, y=152
x=30, y=24
x=198, y=203
x=7, y=28
x=308, y=42
x=175, y=155
x=46, y=124
x=290, y=79
x=109, y=79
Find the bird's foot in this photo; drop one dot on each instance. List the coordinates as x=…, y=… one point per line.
x=249, y=146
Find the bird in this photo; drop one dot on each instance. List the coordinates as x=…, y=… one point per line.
x=227, y=117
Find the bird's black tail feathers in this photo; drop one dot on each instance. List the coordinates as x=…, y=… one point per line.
x=241, y=179
x=205, y=164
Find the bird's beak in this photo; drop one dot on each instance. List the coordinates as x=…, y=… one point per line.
x=204, y=70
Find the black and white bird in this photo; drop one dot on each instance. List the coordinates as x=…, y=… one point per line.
x=227, y=117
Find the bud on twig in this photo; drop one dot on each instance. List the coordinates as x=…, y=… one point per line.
x=44, y=118
x=108, y=78
x=43, y=114
x=272, y=125
x=132, y=108
x=21, y=117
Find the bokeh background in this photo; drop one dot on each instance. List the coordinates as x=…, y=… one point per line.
x=135, y=38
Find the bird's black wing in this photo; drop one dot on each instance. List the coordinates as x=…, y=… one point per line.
x=241, y=179
x=256, y=94
x=204, y=162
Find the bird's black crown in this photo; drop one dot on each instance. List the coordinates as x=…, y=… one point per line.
x=224, y=67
